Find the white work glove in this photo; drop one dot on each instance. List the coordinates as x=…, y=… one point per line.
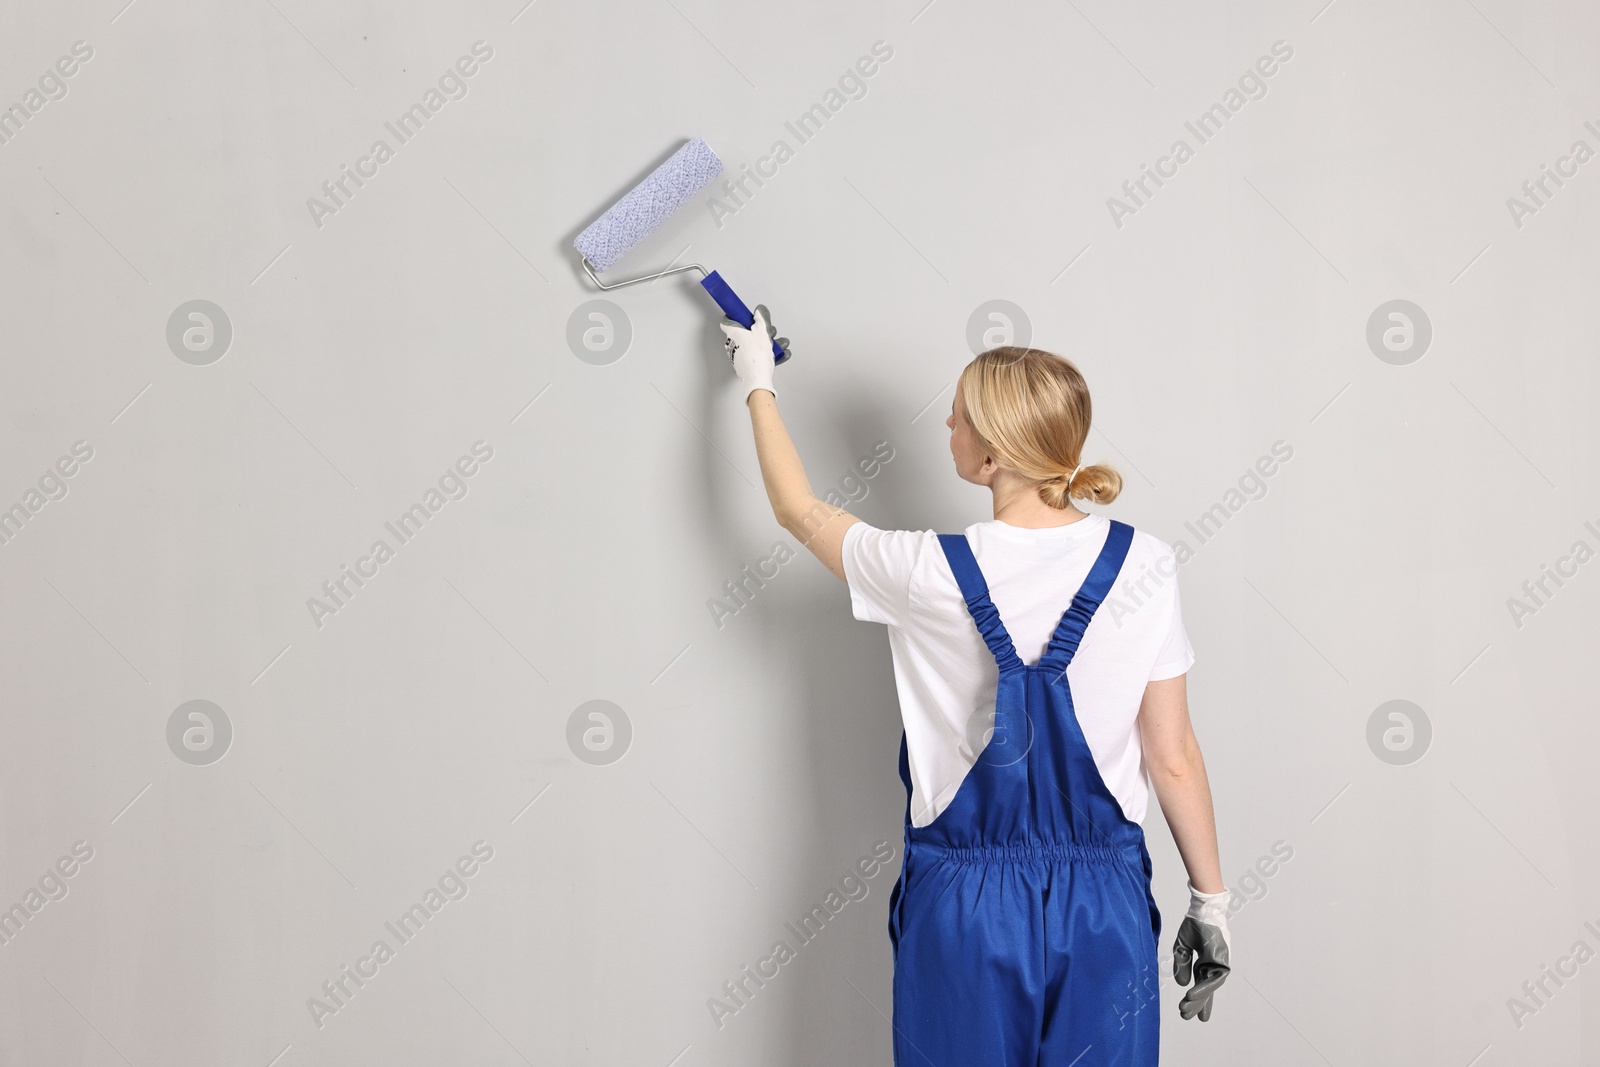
x=1201, y=948
x=750, y=351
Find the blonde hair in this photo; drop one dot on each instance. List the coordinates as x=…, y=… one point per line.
x=1030, y=409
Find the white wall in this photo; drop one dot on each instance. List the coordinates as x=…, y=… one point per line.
x=374, y=346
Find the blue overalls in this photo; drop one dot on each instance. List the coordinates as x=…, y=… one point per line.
x=1023, y=926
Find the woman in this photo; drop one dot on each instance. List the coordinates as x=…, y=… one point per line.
x=1023, y=924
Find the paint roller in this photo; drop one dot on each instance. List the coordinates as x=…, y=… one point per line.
x=645, y=207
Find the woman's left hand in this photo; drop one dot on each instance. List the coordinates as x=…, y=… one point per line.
x=750, y=350
x=1201, y=951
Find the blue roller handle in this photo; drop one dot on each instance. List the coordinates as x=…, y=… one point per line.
x=734, y=308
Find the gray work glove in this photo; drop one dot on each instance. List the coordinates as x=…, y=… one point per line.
x=1201, y=950
x=772, y=332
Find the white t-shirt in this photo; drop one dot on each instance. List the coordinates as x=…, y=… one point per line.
x=946, y=676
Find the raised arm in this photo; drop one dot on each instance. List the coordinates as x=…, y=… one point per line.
x=817, y=525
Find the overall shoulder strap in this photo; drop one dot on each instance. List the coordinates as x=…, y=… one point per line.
x=976, y=593
x=1064, y=642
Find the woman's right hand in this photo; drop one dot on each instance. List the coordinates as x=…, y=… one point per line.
x=750, y=350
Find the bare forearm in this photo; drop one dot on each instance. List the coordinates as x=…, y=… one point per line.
x=1184, y=792
x=817, y=525
x=795, y=506
x=788, y=488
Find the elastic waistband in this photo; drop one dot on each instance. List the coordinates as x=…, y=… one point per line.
x=1026, y=852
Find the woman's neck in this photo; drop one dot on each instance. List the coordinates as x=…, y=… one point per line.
x=1017, y=503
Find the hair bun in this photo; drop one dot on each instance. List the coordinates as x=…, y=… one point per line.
x=1097, y=483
